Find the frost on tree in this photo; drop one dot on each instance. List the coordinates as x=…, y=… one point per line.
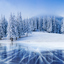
x=54, y=25
x=24, y=26
x=4, y=25
x=32, y=24
x=1, y=31
x=16, y=29
x=35, y=23
x=20, y=25
x=40, y=23
x=58, y=26
x=28, y=27
x=49, y=24
x=62, y=26
x=29, y=21
x=44, y=24
x=11, y=28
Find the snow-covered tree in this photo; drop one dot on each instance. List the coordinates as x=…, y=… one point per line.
x=11, y=28
x=20, y=25
x=44, y=24
x=62, y=26
x=27, y=27
x=49, y=24
x=4, y=25
x=1, y=31
x=32, y=24
x=40, y=23
x=53, y=25
x=58, y=28
x=24, y=26
x=16, y=29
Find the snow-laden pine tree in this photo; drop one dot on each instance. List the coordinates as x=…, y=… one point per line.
x=4, y=25
x=35, y=24
x=16, y=29
x=32, y=24
x=40, y=23
x=24, y=26
x=57, y=26
x=44, y=24
x=1, y=31
x=53, y=25
x=62, y=26
x=29, y=20
x=28, y=27
x=20, y=25
x=11, y=28
x=49, y=24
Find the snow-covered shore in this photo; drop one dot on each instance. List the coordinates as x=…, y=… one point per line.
x=40, y=41
x=43, y=41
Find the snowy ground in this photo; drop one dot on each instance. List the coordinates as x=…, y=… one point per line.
x=43, y=41
x=40, y=41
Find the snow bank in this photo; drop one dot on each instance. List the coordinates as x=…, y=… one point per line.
x=43, y=41
x=39, y=41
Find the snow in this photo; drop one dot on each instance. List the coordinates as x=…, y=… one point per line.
x=43, y=41
x=32, y=47
x=39, y=41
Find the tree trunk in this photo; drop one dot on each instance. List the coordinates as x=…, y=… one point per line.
x=11, y=39
x=19, y=37
x=16, y=38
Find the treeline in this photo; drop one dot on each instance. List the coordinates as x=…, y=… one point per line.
x=49, y=24
x=16, y=27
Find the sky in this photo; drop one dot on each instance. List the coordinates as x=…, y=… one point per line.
x=31, y=8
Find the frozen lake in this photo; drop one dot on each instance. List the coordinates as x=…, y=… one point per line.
x=38, y=48
x=19, y=54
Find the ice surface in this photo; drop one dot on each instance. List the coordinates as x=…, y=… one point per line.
x=22, y=55
x=38, y=48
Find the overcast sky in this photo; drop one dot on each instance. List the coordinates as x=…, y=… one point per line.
x=30, y=8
